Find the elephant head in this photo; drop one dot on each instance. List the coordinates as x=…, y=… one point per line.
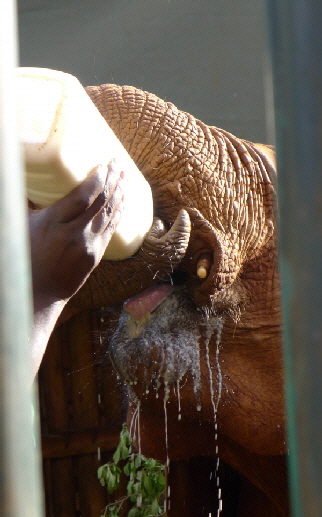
x=202, y=352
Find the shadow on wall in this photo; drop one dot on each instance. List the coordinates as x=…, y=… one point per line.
x=205, y=57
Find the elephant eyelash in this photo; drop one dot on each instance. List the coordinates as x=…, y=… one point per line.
x=176, y=278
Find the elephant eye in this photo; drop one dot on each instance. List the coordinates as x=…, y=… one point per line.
x=176, y=278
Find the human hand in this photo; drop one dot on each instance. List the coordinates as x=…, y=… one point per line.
x=69, y=238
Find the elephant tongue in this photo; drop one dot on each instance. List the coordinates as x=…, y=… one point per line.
x=146, y=301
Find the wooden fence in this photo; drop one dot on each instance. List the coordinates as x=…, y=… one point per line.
x=81, y=416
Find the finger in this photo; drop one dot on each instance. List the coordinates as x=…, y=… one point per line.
x=104, y=203
x=111, y=194
x=100, y=241
x=113, y=178
x=111, y=225
x=104, y=216
x=80, y=198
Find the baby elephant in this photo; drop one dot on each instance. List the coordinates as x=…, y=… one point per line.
x=199, y=342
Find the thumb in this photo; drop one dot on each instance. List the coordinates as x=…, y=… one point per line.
x=80, y=198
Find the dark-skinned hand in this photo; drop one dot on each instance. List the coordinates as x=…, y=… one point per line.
x=69, y=238
x=67, y=242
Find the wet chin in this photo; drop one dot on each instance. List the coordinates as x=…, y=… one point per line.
x=161, y=346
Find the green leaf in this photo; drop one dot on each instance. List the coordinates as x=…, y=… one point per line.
x=134, y=512
x=117, y=455
x=145, y=477
x=137, y=488
x=126, y=436
x=124, y=452
x=111, y=483
x=137, y=461
x=155, y=507
x=127, y=469
x=147, y=483
x=150, y=463
x=100, y=471
x=130, y=487
x=114, y=468
x=161, y=479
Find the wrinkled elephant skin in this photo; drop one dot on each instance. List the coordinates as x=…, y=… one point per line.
x=204, y=356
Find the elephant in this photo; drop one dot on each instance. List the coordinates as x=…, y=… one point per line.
x=198, y=341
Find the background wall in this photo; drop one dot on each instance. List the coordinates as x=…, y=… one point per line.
x=205, y=56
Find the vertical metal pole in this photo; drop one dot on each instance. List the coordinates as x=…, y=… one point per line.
x=19, y=473
x=296, y=41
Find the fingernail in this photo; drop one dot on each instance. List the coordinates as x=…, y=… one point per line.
x=112, y=164
x=101, y=172
x=113, y=168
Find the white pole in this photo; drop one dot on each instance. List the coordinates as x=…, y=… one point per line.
x=19, y=473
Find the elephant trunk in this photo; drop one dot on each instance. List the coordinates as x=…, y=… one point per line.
x=191, y=165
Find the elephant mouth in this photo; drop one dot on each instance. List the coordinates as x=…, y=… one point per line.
x=149, y=300
x=156, y=341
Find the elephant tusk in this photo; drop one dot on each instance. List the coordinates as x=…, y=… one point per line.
x=204, y=265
